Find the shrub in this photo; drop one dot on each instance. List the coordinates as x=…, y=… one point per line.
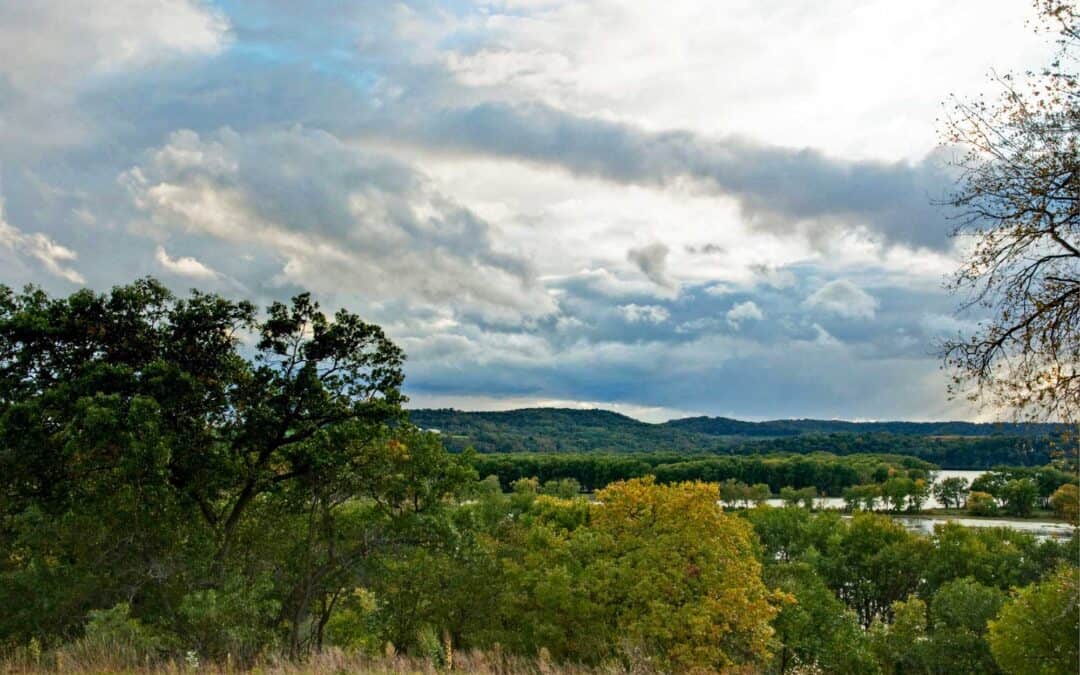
x=231, y=622
x=112, y=639
x=981, y=504
x=1066, y=502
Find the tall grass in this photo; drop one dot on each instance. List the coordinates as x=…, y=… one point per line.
x=85, y=657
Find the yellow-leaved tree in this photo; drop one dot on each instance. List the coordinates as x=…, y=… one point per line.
x=680, y=576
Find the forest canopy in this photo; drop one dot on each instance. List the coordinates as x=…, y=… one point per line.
x=186, y=478
x=950, y=445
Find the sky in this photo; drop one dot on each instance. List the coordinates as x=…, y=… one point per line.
x=719, y=208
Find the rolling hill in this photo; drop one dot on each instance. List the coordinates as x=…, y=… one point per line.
x=559, y=430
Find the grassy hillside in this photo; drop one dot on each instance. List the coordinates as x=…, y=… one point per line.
x=948, y=444
x=558, y=430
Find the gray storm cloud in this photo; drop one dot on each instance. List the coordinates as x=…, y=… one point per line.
x=652, y=261
x=775, y=187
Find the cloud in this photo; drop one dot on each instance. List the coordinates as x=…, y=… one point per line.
x=695, y=68
x=773, y=276
x=946, y=326
x=52, y=256
x=652, y=261
x=602, y=281
x=823, y=338
x=184, y=266
x=705, y=249
x=490, y=195
x=719, y=289
x=53, y=51
x=644, y=313
x=843, y=298
x=335, y=219
x=62, y=40
x=744, y=311
x=776, y=188
x=789, y=377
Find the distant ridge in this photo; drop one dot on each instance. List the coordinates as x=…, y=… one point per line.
x=950, y=444
x=724, y=426
x=719, y=426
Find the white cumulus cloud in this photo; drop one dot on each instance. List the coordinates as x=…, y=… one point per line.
x=744, y=311
x=52, y=256
x=843, y=298
x=644, y=313
x=184, y=266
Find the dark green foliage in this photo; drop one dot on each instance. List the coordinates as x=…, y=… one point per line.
x=948, y=452
x=954, y=445
x=926, y=602
x=1040, y=483
x=557, y=430
x=996, y=557
x=815, y=628
x=828, y=474
x=951, y=492
x=959, y=614
x=1036, y=630
x=1019, y=496
x=149, y=457
x=722, y=426
x=166, y=488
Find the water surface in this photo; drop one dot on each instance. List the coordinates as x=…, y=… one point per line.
x=925, y=524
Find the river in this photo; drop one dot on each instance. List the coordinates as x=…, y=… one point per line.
x=925, y=524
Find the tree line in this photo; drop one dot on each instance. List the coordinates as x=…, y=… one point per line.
x=826, y=473
x=869, y=482
x=551, y=431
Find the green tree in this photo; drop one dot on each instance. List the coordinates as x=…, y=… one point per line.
x=1019, y=496
x=339, y=526
x=807, y=496
x=234, y=427
x=896, y=491
x=566, y=488
x=920, y=492
x=790, y=496
x=787, y=534
x=149, y=457
x=997, y=557
x=901, y=646
x=734, y=493
x=861, y=496
x=1037, y=628
x=959, y=613
x=546, y=597
x=951, y=491
x=815, y=630
x=760, y=493
x=872, y=563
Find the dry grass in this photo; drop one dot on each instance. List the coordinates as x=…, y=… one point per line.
x=87, y=659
